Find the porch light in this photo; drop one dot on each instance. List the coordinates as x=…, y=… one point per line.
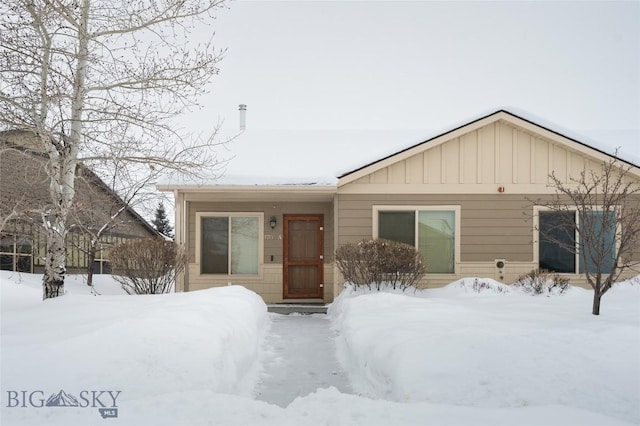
x=273, y=222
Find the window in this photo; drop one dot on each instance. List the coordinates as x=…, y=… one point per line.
x=16, y=253
x=230, y=243
x=432, y=230
x=559, y=245
x=101, y=264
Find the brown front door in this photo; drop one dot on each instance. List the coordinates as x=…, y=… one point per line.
x=303, y=256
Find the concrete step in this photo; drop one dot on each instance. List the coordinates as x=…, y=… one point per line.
x=298, y=308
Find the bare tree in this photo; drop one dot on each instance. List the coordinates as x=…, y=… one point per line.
x=23, y=180
x=100, y=209
x=596, y=217
x=95, y=80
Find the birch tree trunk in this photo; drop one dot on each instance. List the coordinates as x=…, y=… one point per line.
x=99, y=82
x=63, y=170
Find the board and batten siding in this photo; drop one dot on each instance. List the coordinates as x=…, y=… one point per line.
x=496, y=154
x=268, y=283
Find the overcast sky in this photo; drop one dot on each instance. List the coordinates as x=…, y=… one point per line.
x=369, y=78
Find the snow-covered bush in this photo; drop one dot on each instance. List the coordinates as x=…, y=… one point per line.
x=377, y=262
x=539, y=282
x=147, y=265
x=480, y=286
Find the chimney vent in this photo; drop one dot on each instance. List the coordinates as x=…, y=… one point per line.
x=243, y=116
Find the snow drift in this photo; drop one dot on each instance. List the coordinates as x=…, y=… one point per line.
x=500, y=349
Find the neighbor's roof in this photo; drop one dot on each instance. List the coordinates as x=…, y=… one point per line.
x=23, y=140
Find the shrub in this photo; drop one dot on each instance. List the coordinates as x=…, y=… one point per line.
x=487, y=286
x=377, y=262
x=147, y=265
x=542, y=282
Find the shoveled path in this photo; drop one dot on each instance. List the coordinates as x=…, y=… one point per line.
x=300, y=358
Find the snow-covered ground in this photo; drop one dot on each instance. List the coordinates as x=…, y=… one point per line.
x=495, y=348
x=443, y=356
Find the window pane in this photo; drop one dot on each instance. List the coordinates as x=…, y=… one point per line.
x=23, y=245
x=215, y=245
x=601, y=249
x=557, y=242
x=397, y=226
x=6, y=244
x=6, y=262
x=244, y=245
x=23, y=264
x=436, y=240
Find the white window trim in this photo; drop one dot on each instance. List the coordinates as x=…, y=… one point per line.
x=536, y=235
x=456, y=208
x=201, y=215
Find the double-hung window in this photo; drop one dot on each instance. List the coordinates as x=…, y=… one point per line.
x=230, y=243
x=560, y=248
x=433, y=230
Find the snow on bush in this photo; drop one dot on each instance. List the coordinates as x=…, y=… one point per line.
x=632, y=282
x=540, y=282
x=477, y=285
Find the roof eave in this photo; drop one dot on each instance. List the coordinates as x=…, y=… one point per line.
x=254, y=193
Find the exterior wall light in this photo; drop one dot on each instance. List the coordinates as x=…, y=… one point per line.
x=273, y=222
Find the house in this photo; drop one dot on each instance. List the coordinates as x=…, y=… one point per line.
x=463, y=198
x=24, y=194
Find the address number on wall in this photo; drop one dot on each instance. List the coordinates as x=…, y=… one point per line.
x=273, y=237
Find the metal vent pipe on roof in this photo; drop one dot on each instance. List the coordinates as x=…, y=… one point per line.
x=243, y=116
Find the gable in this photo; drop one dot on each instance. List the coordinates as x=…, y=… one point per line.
x=498, y=151
x=25, y=188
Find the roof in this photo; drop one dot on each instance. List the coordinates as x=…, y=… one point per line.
x=22, y=140
x=261, y=147
x=478, y=122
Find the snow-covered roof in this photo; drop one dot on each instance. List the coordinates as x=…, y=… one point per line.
x=307, y=158
x=625, y=157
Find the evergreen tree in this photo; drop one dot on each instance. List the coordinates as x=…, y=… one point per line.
x=161, y=222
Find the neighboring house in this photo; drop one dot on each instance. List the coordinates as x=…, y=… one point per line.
x=24, y=195
x=463, y=198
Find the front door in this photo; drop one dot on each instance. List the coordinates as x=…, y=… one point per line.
x=303, y=256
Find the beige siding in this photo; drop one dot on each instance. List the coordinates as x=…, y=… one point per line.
x=269, y=282
x=433, y=165
x=469, y=158
x=495, y=227
x=486, y=154
x=492, y=227
x=479, y=161
x=451, y=161
x=415, y=170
